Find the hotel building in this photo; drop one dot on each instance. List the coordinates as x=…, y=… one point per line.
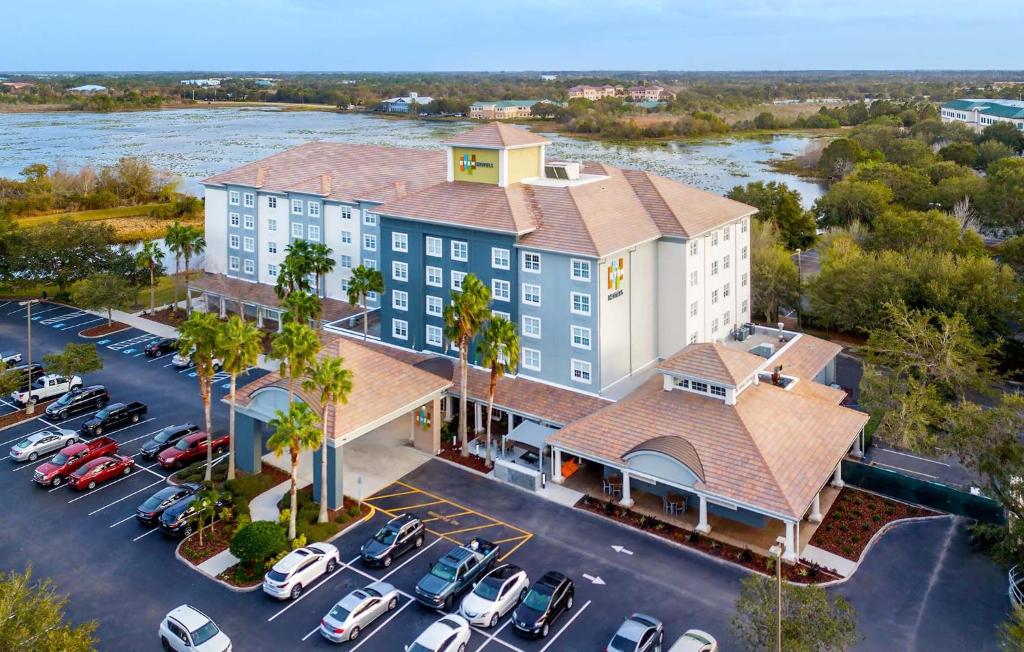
x=978, y=114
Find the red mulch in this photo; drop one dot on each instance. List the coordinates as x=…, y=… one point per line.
x=19, y=416
x=215, y=539
x=277, y=474
x=855, y=517
x=103, y=329
x=801, y=572
x=454, y=454
x=168, y=316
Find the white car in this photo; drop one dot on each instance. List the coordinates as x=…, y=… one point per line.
x=183, y=361
x=450, y=634
x=10, y=358
x=186, y=629
x=30, y=448
x=299, y=569
x=495, y=595
x=694, y=640
x=357, y=611
x=46, y=387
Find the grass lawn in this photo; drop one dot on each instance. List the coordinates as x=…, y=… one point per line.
x=130, y=223
x=88, y=216
x=164, y=292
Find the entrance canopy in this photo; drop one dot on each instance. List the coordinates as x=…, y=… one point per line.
x=532, y=435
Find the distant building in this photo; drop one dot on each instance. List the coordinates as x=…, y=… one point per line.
x=403, y=104
x=88, y=89
x=502, y=109
x=16, y=87
x=594, y=92
x=978, y=114
x=212, y=83
x=647, y=93
x=548, y=77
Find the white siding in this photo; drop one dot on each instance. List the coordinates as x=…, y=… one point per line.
x=263, y=215
x=216, y=231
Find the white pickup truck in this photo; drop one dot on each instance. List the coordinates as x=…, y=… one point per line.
x=45, y=387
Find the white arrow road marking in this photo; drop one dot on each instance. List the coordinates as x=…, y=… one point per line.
x=622, y=550
x=593, y=580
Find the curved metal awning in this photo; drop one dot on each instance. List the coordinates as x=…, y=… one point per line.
x=677, y=448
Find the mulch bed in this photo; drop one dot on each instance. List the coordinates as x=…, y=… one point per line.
x=168, y=316
x=277, y=474
x=801, y=572
x=215, y=540
x=103, y=329
x=453, y=453
x=855, y=517
x=19, y=416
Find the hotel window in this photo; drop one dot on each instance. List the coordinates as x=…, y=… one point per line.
x=297, y=230
x=580, y=303
x=346, y=261
x=725, y=292
x=500, y=258
x=346, y=237
x=371, y=296
x=370, y=263
x=369, y=219
x=579, y=270
x=314, y=232
x=271, y=224
x=714, y=296
x=743, y=226
x=743, y=280
x=233, y=241
x=233, y=263
x=698, y=386
x=399, y=241
x=714, y=326
x=434, y=277
x=399, y=299
x=457, y=278
x=435, y=306
x=714, y=267
x=725, y=262
x=399, y=270
x=693, y=309
x=531, y=359
x=693, y=278
x=271, y=247
x=531, y=294
x=693, y=337
x=249, y=243
x=725, y=234
x=434, y=247
x=296, y=207
x=248, y=200
x=580, y=371
x=531, y=326
x=531, y=262
x=727, y=319
x=717, y=390
x=693, y=248
x=271, y=202
x=400, y=329
x=233, y=217
x=501, y=290
x=248, y=266
x=346, y=212
x=743, y=253
x=272, y=271
x=344, y=285
x=743, y=306
x=714, y=238
x=504, y=315
x=434, y=336
x=460, y=251
x=313, y=208
x=580, y=337
x=233, y=198
x=369, y=242
x=250, y=222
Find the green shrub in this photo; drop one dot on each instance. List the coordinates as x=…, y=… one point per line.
x=319, y=531
x=276, y=558
x=354, y=511
x=258, y=541
x=298, y=541
x=343, y=518
x=284, y=516
x=876, y=517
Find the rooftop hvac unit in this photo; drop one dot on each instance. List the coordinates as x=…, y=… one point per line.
x=562, y=170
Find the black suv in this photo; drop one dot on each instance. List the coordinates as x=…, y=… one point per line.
x=150, y=511
x=549, y=598
x=398, y=536
x=177, y=520
x=78, y=400
x=160, y=347
x=166, y=438
x=27, y=374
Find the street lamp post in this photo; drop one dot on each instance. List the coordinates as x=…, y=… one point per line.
x=777, y=551
x=799, y=289
x=30, y=406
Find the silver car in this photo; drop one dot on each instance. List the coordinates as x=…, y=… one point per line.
x=357, y=610
x=30, y=448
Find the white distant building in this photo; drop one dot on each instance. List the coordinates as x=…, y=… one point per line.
x=978, y=114
x=403, y=104
x=548, y=77
x=88, y=88
x=212, y=83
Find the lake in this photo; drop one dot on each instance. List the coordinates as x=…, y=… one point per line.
x=197, y=143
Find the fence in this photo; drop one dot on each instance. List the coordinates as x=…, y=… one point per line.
x=921, y=492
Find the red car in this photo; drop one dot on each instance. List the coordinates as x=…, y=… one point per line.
x=191, y=448
x=100, y=470
x=71, y=458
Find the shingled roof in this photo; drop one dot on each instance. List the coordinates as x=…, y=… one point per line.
x=496, y=135
x=713, y=361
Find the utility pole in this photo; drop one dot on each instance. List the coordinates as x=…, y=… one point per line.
x=29, y=407
x=777, y=551
x=799, y=290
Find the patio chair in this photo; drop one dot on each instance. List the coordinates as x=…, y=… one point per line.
x=606, y=486
x=615, y=487
x=674, y=503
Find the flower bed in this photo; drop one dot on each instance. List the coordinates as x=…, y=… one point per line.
x=451, y=451
x=168, y=316
x=855, y=517
x=18, y=416
x=801, y=572
x=215, y=540
x=103, y=329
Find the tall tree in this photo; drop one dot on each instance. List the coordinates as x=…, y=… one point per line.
x=295, y=269
x=463, y=319
x=75, y=360
x=198, y=338
x=775, y=280
x=193, y=244
x=321, y=262
x=239, y=345
x=499, y=352
x=151, y=258
x=363, y=281
x=295, y=347
x=174, y=238
x=104, y=292
x=33, y=617
x=330, y=378
x=64, y=252
x=778, y=204
x=851, y=201
x=301, y=307
x=294, y=431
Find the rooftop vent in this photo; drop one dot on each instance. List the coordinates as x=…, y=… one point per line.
x=562, y=170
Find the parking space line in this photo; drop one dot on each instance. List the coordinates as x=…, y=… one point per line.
x=445, y=517
x=900, y=468
x=111, y=484
x=161, y=357
x=500, y=541
x=475, y=527
x=145, y=534
x=123, y=520
x=83, y=323
x=397, y=568
x=565, y=626
x=30, y=465
x=100, y=509
x=923, y=459
x=326, y=579
x=417, y=506
x=382, y=625
x=494, y=635
x=483, y=632
x=400, y=493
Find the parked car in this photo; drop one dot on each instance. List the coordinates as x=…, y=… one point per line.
x=83, y=399
x=449, y=634
x=183, y=361
x=100, y=470
x=299, y=568
x=30, y=448
x=454, y=573
x=112, y=416
x=398, y=536
x=695, y=640
x=357, y=610
x=495, y=595
x=638, y=633
x=176, y=521
x=162, y=346
x=549, y=598
x=149, y=511
x=186, y=629
x=27, y=374
x=190, y=448
x=68, y=460
x=166, y=438
x=8, y=358
x=46, y=387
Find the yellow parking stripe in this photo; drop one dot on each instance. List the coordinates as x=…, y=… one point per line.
x=427, y=493
x=400, y=493
x=408, y=507
x=445, y=517
x=515, y=547
x=509, y=539
x=470, y=529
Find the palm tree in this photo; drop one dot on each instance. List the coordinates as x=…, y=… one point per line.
x=301, y=307
x=321, y=264
x=295, y=269
x=334, y=382
x=239, y=345
x=151, y=257
x=296, y=347
x=198, y=338
x=499, y=352
x=174, y=238
x=294, y=431
x=193, y=244
x=463, y=318
x=363, y=281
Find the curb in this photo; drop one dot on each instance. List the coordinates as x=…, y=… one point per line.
x=93, y=337
x=353, y=525
x=18, y=423
x=191, y=566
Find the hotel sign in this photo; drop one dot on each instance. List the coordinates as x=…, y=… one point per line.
x=616, y=275
x=468, y=163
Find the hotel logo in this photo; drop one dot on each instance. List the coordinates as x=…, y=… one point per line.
x=467, y=163
x=616, y=274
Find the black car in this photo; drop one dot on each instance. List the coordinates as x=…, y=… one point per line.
x=149, y=512
x=176, y=520
x=549, y=598
x=112, y=416
x=166, y=438
x=398, y=536
x=160, y=347
x=27, y=374
x=78, y=400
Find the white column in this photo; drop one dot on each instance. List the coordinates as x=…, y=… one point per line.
x=259, y=316
x=556, y=465
x=627, y=500
x=703, y=527
x=858, y=452
x=790, y=554
x=837, y=477
x=222, y=308
x=478, y=416
x=815, y=516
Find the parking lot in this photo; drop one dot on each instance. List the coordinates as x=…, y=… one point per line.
x=126, y=576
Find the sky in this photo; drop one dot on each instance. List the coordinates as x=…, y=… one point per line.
x=440, y=35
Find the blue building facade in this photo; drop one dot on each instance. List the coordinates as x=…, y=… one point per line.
x=242, y=234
